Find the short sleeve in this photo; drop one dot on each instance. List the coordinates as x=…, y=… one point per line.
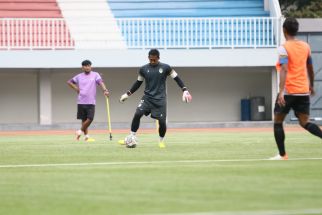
x=168, y=69
x=98, y=78
x=282, y=55
x=282, y=51
x=74, y=79
x=141, y=72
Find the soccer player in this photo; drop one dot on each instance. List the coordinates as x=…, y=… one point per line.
x=154, y=99
x=296, y=85
x=85, y=86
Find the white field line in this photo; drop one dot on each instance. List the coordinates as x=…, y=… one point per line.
x=145, y=162
x=272, y=212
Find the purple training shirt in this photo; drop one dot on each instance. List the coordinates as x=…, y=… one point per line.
x=87, y=87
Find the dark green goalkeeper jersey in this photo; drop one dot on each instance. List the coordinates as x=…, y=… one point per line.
x=155, y=79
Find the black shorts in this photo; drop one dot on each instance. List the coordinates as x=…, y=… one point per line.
x=157, y=108
x=85, y=112
x=299, y=104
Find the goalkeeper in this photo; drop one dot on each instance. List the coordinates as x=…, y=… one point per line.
x=154, y=99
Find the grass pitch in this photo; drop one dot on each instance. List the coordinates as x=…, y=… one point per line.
x=200, y=172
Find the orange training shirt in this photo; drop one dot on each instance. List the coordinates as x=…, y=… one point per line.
x=297, y=81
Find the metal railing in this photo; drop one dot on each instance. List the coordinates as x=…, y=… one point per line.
x=246, y=32
x=275, y=11
x=142, y=33
x=34, y=33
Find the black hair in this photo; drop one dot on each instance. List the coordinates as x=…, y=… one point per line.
x=86, y=63
x=154, y=52
x=291, y=26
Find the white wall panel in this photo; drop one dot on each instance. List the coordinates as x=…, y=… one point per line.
x=18, y=96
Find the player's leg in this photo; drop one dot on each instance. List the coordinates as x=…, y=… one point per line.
x=159, y=112
x=85, y=124
x=311, y=127
x=90, y=112
x=134, y=128
x=78, y=134
x=302, y=111
x=162, y=131
x=144, y=108
x=279, y=133
x=82, y=116
x=280, y=113
x=136, y=120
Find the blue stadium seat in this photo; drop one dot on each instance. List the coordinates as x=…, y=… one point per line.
x=141, y=34
x=187, y=8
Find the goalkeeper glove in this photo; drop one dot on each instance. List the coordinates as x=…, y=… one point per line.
x=186, y=96
x=124, y=97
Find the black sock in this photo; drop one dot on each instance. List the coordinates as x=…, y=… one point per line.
x=313, y=129
x=162, y=127
x=136, y=121
x=279, y=137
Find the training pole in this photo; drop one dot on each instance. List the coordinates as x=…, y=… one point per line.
x=108, y=117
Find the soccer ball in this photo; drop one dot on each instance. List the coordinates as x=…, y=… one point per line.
x=130, y=141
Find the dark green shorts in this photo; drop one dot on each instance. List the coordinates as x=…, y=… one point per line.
x=157, y=108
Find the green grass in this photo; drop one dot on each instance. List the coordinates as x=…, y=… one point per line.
x=159, y=187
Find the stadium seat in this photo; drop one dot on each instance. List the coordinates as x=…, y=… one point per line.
x=136, y=9
x=190, y=8
x=37, y=33
x=29, y=9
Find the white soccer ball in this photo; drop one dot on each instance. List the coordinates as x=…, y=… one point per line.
x=130, y=141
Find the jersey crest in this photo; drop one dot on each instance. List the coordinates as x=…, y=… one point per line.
x=160, y=70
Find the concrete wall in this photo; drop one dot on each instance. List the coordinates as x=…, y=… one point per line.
x=19, y=96
x=216, y=94
x=315, y=41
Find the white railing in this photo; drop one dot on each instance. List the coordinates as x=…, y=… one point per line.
x=275, y=11
x=143, y=33
x=35, y=33
x=247, y=32
x=274, y=8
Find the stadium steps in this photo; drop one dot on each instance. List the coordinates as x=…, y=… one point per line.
x=189, y=8
x=134, y=34
x=18, y=34
x=29, y=9
x=189, y=13
x=92, y=24
x=29, y=6
x=29, y=14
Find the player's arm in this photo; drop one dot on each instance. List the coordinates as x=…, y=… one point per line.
x=310, y=72
x=99, y=81
x=282, y=77
x=73, y=85
x=186, y=96
x=134, y=88
x=105, y=90
x=283, y=62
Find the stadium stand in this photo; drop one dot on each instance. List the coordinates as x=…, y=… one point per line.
x=194, y=23
x=35, y=24
x=187, y=8
x=29, y=9
x=132, y=24
x=92, y=24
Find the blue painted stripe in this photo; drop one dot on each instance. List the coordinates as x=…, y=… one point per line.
x=189, y=5
x=187, y=13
